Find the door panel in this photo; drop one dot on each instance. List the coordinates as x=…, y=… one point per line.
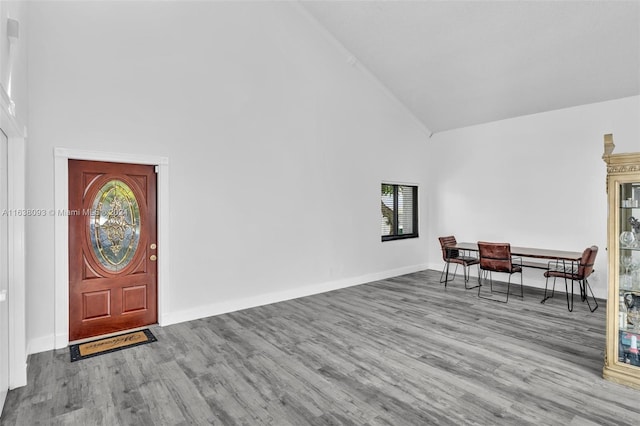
x=112, y=247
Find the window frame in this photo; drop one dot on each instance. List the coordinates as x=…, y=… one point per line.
x=395, y=235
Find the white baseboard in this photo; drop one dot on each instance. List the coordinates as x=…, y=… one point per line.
x=266, y=299
x=18, y=377
x=40, y=344
x=45, y=343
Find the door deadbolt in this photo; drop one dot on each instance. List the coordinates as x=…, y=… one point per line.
x=153, y=246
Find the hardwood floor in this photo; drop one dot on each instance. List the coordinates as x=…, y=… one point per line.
x=401, y=351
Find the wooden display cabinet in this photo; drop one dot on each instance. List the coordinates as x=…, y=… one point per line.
x=622, y=358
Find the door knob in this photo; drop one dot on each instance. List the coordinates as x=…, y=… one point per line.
x=153, y=258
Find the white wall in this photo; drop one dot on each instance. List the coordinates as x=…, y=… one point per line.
x=277, y=146
x=13, y=115
x=536, y=181
x=13, y=57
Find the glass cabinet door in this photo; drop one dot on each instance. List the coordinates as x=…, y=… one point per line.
x=622, y=357
x=629, y=274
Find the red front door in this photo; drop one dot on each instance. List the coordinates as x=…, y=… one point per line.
x=112, y=247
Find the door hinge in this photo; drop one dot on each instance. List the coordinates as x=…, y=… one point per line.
x=156, y=168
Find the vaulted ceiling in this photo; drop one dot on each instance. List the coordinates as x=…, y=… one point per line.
x=460, y=63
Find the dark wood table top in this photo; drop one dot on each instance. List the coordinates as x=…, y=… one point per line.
x=528, y=252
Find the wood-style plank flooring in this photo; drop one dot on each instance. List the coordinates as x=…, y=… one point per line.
x=401, y=351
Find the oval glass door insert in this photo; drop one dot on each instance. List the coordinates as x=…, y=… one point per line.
x=115, y=225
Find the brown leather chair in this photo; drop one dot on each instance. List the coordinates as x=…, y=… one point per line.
x=496, y=257
x=458, y=257
x=572, y=272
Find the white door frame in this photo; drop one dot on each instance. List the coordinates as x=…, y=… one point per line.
x=16, y=134
x=61, y=229
x=4, y=274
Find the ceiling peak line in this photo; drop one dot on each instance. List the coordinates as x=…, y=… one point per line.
x=458, y=64
x=356, y=63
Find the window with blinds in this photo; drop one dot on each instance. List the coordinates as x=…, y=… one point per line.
x=399, y=211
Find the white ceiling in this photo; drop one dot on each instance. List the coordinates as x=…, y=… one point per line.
x=459, y=63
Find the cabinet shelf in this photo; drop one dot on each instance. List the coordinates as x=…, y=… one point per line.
x=626, y=354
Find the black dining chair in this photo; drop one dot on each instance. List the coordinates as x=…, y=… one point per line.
x=496, y=257
x=569, y=271
x=457, y=257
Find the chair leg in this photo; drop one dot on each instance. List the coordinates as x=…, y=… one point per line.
x=521, y=286
x=586, y=297
x=468, y=277
x=566, y=289
x=545, y=290
x=466, y=270
x=445, y=270
x=508, y=288
x=583, y=292
x=481, y=273
x=491, y=288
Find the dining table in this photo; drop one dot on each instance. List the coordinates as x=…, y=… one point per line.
x=531, y=257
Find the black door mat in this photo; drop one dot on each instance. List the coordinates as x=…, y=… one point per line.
x=110, y=344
